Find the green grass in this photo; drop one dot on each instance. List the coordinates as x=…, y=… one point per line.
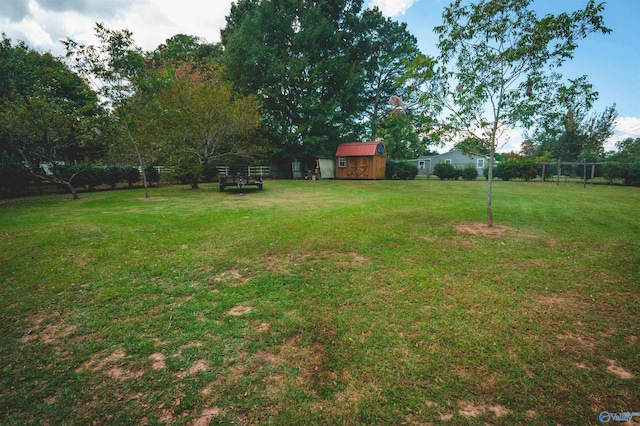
x=327, y=302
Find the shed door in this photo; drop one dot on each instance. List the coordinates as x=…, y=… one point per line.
x=358, y=167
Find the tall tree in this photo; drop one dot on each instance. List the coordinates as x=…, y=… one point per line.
x=301, y=59
x=565, y=124
x=46, y=114
x=398, y=132
x=494, y=51
x=116, y=69
x=389, y=48
x=205, y=118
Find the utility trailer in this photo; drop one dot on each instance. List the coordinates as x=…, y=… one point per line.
x=240, y=176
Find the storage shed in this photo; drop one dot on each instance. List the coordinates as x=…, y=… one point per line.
x=361, y=160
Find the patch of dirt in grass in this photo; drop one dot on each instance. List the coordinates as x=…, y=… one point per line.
x=239, y=310
x=311, y=363
x=99, y=362
x=482, y=230
x=577, y=339
x=49, y=333
x=199, y=365
x=232, y=277
x=468, y=409
x=158, y=359
x=446, y=416
x=262, y=327
x=206, y=416
x=559, y=302
x=281, y=265
x=618, y=371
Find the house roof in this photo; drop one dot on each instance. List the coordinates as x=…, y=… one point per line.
x=357, y=149
x=453, y=151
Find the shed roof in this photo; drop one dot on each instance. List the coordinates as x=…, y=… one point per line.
x=357, y=149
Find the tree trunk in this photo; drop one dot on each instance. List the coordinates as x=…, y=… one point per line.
x=492, y=154
x=73, y=191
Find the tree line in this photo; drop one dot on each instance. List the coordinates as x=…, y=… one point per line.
x=295, y=78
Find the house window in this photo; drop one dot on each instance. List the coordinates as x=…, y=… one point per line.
x=447, y=161
x=342, y=161
x=481, y=163
x=421, y=164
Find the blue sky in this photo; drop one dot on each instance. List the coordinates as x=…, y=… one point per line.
x=612, y=61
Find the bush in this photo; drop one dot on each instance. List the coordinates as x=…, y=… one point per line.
x=14, y=177
x=632, y=174
x=152, y=174
x=613, y=170
x=131, y=175
x=446, y=171
x=469, y=172
x=187, y=174
x=402, y=170
x=209, y=172
x=506, y=170
x=113, y=175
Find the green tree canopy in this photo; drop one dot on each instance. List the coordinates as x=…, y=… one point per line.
x=496, y=52
x=47, y=113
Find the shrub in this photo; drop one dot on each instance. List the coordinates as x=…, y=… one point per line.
x=187, y=174
x=113, y=175
x=613, y=170
x=131, y=175
x=469, y=172
x=209, y=172
x=402, y=170
x=506, y=170
x=152, y=174
x=14, y=177
x=632, y=174
x=446, y=171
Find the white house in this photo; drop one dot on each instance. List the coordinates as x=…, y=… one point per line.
x=455, y=157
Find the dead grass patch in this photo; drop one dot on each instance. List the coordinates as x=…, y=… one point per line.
x=577, y=339
x=467, y=409
x=196, y=367
x=621, y=372
x=482, y=230
x=206, y=416
x=232, y=277
x=111, y=365
x=239, y=310
x=158, y=359
x=51, y=334
x=262, y=327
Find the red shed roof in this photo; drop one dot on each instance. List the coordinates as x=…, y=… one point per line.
x=357, y=149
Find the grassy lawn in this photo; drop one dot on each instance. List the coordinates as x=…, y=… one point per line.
x=325, y=302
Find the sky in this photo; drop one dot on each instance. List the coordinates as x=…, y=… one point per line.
x=611, y=62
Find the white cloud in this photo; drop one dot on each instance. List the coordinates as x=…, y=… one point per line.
x=392, y=8
x=45, y=22
x=625, y=127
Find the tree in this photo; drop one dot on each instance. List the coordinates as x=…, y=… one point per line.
x=46, y=115
x=389, y=48
x=301, y=59
x=400, y=138
x=185, y=48
x=205, y=118
x=565, y=125
x=495, y=52
x=628, y=150
x=116, y=68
